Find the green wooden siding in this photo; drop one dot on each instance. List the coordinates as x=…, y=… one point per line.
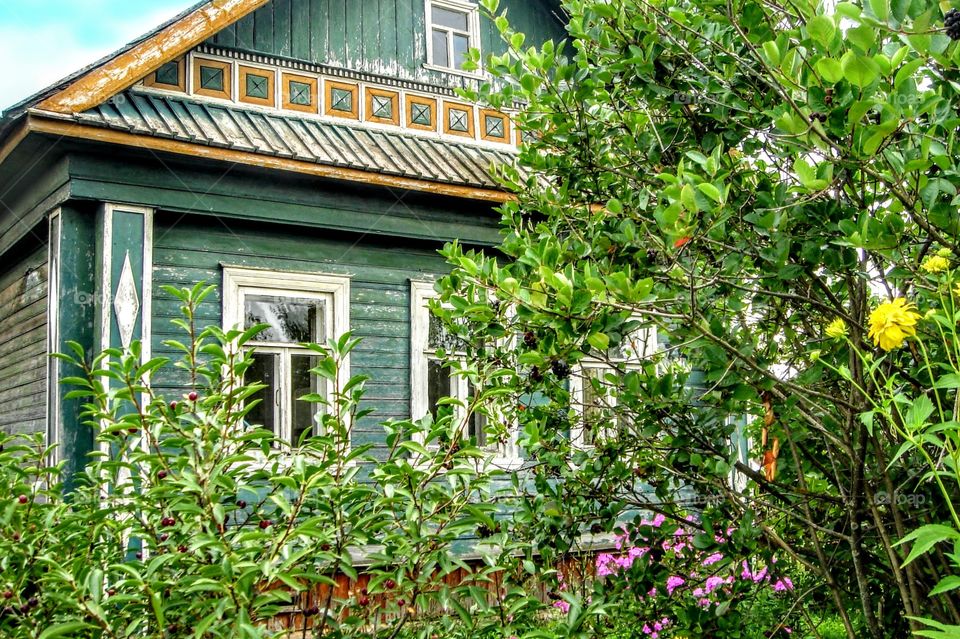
x=23, y=343
x=188, y=251
x=386, y=37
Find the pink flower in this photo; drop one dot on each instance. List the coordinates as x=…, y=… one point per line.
x=562, y=605
x=713, y=583
x=780, y=585
x=712, y=559
x=673, y=583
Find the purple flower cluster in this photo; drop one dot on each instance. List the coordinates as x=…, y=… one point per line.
x=706, y=578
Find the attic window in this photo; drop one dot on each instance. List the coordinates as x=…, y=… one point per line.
x=454, y=30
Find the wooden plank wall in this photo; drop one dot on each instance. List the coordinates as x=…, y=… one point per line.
x=190, y=250
x=386, y=37
x=23, y=343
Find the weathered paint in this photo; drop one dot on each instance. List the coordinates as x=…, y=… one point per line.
x=384, y=37
x=23, y=341
x=75, y=318
x=71, y=130
x=121, y=71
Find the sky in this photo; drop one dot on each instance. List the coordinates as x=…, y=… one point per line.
x=41, y=41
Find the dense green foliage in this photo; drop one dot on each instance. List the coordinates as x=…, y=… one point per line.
x=740, y=175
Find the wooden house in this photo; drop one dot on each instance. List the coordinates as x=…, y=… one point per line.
x=308, y=157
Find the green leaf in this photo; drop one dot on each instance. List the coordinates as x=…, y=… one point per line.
x=599, y=341
x=859, y=70
x=64, y=629
x=822, y=30
x=951, y=582
x=772, y=53
x=711, y=192
x=925, y=538
x=920, y=410
x=830, y=70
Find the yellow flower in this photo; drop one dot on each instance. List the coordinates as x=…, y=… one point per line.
x=893, y=322
x=935, y=264
x=956, y=291
x=836, y=329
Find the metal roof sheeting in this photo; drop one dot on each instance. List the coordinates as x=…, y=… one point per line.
x=308, y=139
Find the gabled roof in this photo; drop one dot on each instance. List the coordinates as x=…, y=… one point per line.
x=98, y=104
x=116, y=72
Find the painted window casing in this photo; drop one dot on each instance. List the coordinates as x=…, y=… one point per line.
x=593, y=380
x=300, y=308
x=453, y=28
x=430, y=380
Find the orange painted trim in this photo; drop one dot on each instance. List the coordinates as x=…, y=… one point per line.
x=457, y=106
x=313, y=83
x=181, y=85
x=505, y=138
x=122, y=71
x=417, y=99
x=394, y=98
x=226, y=68
x=354, y=89
x=90, y=133
x=269, y=74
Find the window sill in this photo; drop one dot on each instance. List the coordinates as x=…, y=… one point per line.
x=473, y=75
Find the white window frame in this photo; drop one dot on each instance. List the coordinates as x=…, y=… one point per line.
x=647, y=336
x=505, y=456
x=473, y=33
x=335, y=289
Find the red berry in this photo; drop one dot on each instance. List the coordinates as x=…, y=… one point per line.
x=182, y=548
x=193, y=396
x=15, y=536
x=390, y=584
x=8, y=594
x=111, y=592
x=162, y=474
x=23, y=499
x=133, y=431
x=364, y=600
x=173, y=405
x=164, y=537
x=401, y=602
x=264, y=524
x=139, y=555
x=241, y=503
x=683, y=241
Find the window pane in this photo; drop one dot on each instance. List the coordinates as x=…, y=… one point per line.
x=461, y=44
x=292, y=320
x=439, y=384
x=303, y=382
x=448, y=18
x=441, y=55
x=476, y=423
x=264, y=370
x=594, y=401
x=439, y=337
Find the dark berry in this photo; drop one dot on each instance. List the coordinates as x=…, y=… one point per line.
x=182, y=548
x=133, y=431
x=111, y=592
x=530, y=339
x=241, y=503
x=325, y=547
x=536, y=375
x=15, y=536
x=561, y=369
x=952, y=22
x=173, y=405
x=401, y=602
x=390, y=584
x=8, y=594
x=162, y=474
x=23, y=499
x=164, y=537
x=264, y=524
x=193, y=396
x=363, y=600
x=139, y=555
x=33, y=602
x=312, y=611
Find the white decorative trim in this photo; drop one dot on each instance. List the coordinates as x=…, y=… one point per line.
x=235, y=60
x=647, y=338
x=335, y=289
x=126, y=303
x=54, y=428
x=473, y=33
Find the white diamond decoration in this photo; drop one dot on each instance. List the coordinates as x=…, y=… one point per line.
x=126, y=303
